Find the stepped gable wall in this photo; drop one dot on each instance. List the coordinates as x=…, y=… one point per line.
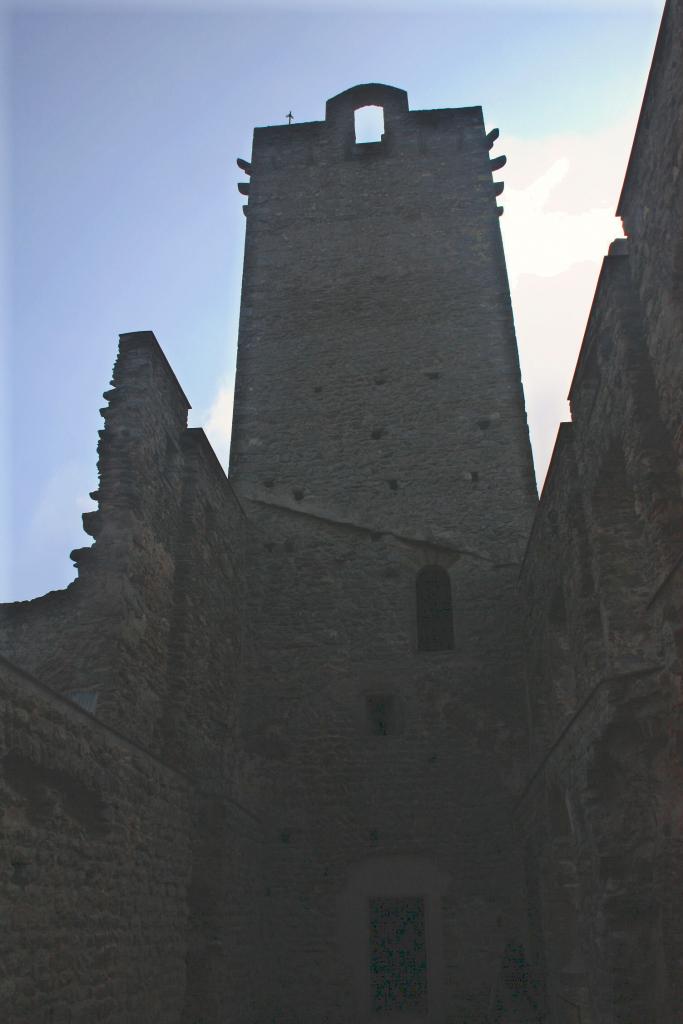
x=167, y=566
x=154, y=628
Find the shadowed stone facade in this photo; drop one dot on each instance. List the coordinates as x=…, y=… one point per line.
x=366, y=732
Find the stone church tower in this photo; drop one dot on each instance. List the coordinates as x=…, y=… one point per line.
x=380, y=449
x=377, y=365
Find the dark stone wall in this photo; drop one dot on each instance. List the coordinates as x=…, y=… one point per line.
x=113, y=629
x=216, y=842
x=651, y=206
x=154, y=625
x=377, y=371
x=600, y=812
x=95, y=863
x=379, y=428
x=427, y=805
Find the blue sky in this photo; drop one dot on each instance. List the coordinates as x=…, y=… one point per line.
x=122, y=128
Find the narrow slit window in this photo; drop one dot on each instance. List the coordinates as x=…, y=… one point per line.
x=369, y=123
x=434, y=609
x=381, y=714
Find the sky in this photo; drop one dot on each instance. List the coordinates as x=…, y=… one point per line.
x=119, y=211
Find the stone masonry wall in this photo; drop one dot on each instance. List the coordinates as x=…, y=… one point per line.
x=202, y=729
x=651, y=206
x=166, y=568
x=377, y=371
x=352, y=814
x=209, y=845
x=95, y=863
x=600, y=812
x=379, y=428
x=155, y=626
x=115, y=617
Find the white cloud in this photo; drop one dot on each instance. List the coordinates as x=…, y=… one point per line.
x=546, y=242
x=217, y=422
x=560, y=196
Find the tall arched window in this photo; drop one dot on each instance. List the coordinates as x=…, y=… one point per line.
x=434, y=609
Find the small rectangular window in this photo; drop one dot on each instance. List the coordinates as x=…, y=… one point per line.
x=381, y=714
x=398, y=955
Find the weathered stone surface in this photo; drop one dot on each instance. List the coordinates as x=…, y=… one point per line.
x=376, y=331
x=600, y=813
x=95, y=855
x=276, y=772
x=651, y=206
x=380, y=428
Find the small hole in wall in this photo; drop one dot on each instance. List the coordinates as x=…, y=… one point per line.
x=268, y=483
x=474, y=476
x=317, y=390
x=380, y=380
x=433, y=375
x=298, y=494
x=484, y=424
x=20, y=873
x=377, y=433
x=393, y=485
x=369, y=124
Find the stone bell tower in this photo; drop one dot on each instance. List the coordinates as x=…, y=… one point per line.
x=381, y=454
x=377, y=366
